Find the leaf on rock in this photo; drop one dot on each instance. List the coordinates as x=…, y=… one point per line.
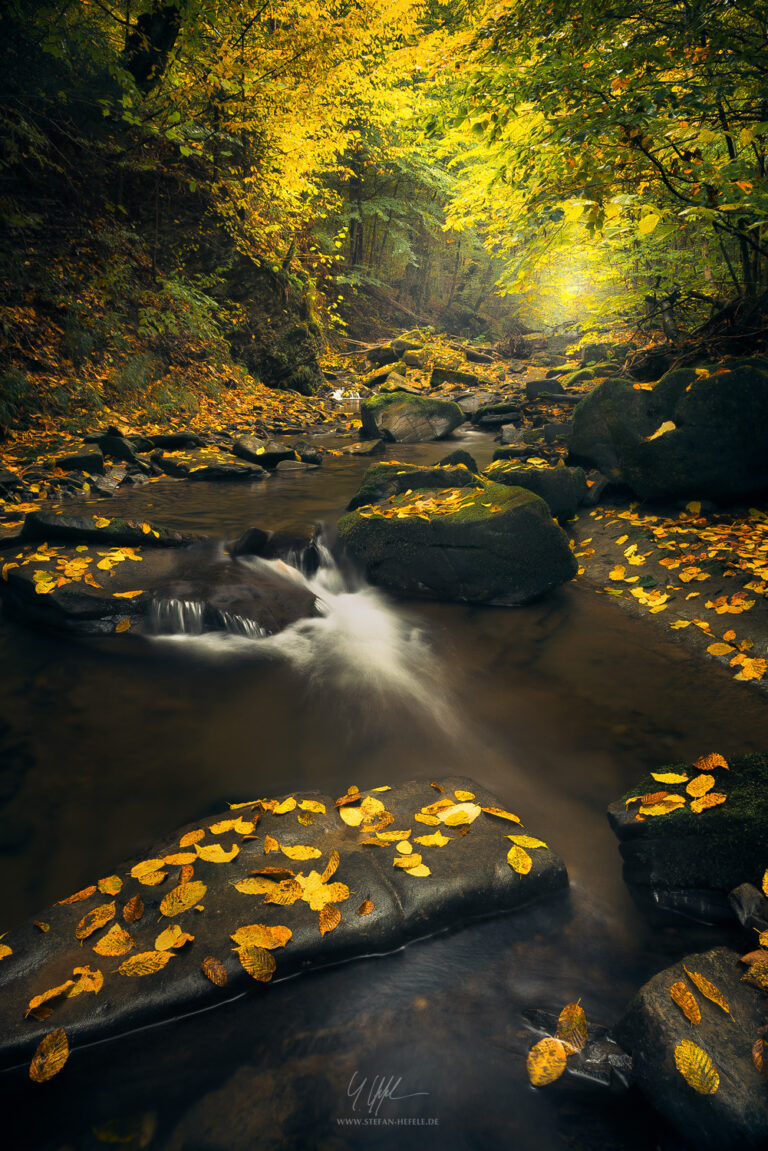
x=464, y=796
x=301, y=851
x=215, y=853
x=757, y=975
x=313, y=805
x=394, y=836
x=49, y=1058
x=193, y=837
x=42, y=926
x=707, y=989
x=366, y=907
x=154, y=879
x=258, y=962
x=430, y=820
x=407, y=861
x=215, y=970
x=437, y=839
x=37, y=1001
x=546, y=1062
x=352, y=816
x=270, y=844
x=572, y=1027
x=133, y=910
x=187, y=873
x=712, y=799
x=182, y=898
x=669, y=777
x=501, y=814
x=284, y=893
x=180, y=859
x=459, y=814
x=663, y=806
x=519, y=860
x=145, y=963
x=116, y=941
x=5, y=951
x=760, y=1055
x=146, y=867
x=421, y=871
x=287, y=805
x=528, y=841
x=686, y=1001
x=260, y=935
x=334, y=859
x=330, y=918
x=86, y=893
x=172, y=937
x=696, y=1067
x=122, y=625
x=765, y=883
x=710, y=762
x=700, y=785
x=94, y=920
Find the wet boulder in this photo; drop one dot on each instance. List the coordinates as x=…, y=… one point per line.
x=730, y=1112
x=562, y=488
x=206, y=464
x=383, y=481
x=690, y=852
x=87, y=459
x=545, y=387
x=444, y=375
x=479, y=543
x=404, y=418
x=460, y=457
x=495, y=414
x=270, y=890
x=698, y=433
x=107, y=531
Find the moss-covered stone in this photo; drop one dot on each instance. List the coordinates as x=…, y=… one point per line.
x=404, y=418
x=483, y=543
x=389, y=479
x=562, y=488
x=714, y=850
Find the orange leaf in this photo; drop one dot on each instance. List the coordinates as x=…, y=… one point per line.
x=572, y=1027
x=145, y=963
x=258, y=962
x=700, y=785
x=182, y=898
x=366, y=907
x=684, y=999
x=330, y=918
x=546, y=1062
x=116, y=941
x=133, y=910
x=94, y=920
x=707, y=989
x=51, y=1055
x=215, y=970
x=86, y=893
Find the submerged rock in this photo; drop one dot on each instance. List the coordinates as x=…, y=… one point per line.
x=481, y=543
x=273, y=889
x=563, y=489
x=407, y=419
x=733, y=1114
x=703, y=853
x=697, y=433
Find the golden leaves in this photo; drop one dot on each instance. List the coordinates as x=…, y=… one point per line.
x=331, y=867
x=257, y=961
x=301, y=852
x=546, y=1061
x=51, y=1055
x=180, y=859
x=182, y=898
x=720, y=649
x=757, y=975
x=145, y=963
x=669, y=777
x=172, y=938
x=519, y=860
x=270, y=844
x=94, y=920
x=459, y=814
x=685, y=1000
x=126, y=594
x=759, y=1057
x=501, y=814
x=112, y=885
x=312, y=805
x=662, y=806
x=5, y=951
x=133, y=910
x=116, y=941
x=122, y=625
x=528, y=841
x=366, y=907
x=83, y=980
x=437, y=839
x=713, y=799
x=283, y=808
x=707, y=989
x=146, y=867
x=260, y=935
x=710, y=762
x=153, y=879
x=215, y=853
x=330, y=918
x=696, y=1067
x=572, y=1027
x=214, y=970
x=700, y=785
x=191, y=837
x=86, y=893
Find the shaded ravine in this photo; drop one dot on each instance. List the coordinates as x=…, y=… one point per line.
x=557, y=707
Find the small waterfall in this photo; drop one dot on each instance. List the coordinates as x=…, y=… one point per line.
x=240, y=625
x=177, y=617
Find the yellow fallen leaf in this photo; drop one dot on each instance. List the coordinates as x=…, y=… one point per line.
x=49, y=1058
x=287, y=805
x=437, y=839
x=110, y=885
x=145, y=963
x=123, y=625
x=94, y=920
x=420, y=871
x=172, y=937
x=685, y=1000
x=215, y=970
x=700, y=785
x=669, y=777
x=257, y=961
x=330, y=918
x=301, y=851
x=5, y=951
x=464, y=796
x=546, y=1062
x=180, y=859
x=710, y=762
x=707, y=989
x=572, y=1027
x=101, y=522
x=519, y=860
x=352, y=816
x=182, y=898
x=366, y=907
x=501, y=814
x=154, y=878
x=527, y=841
x=126, y=594
x=696, y=1067
x=116, y=941
x=663, y=806
x=312, y=805
x=260, y=935
x=215, y=853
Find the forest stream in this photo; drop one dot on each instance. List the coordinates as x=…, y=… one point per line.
x=557, y=707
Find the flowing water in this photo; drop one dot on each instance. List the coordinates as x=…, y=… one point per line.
x=557, y=707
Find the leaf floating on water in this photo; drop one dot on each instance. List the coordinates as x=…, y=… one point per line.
x=501, y=814
x=685, y=1000
x=51, y=1055
x=437, y=839
x=330, y=918
x=260, y=935
x=301, y=851
x=696, y=1068
x=572, y=1027
x=700, y=785
x=546, y=1062
x=172, y=937
x=116, y=941
x=182, y=898
x=215, y=853
x=145, y=963
x=94, y=920
x=710, y=762
x=519, y=860
x=133, y=910
x=366, y=907
x=334, y=859
x=258, y=962
x=528, y=841
x=86, y=893
x=669, y=777
x=712, y=799
x=707, y=989
x=111, y=885
x=215, y=970
x=192, y=837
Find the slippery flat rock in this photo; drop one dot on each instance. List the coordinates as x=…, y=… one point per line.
x=712, y=851
x=111, y=531
x=470, y=877
x=735, y=1115
x=207, y=463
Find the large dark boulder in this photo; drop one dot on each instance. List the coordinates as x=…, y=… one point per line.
x=483, y=543
x=653, y=1027
x=267, y=453
x=699, y=433
x=562, y=488
x=329, y=888
x=702, y=855
x=408, y=419
x=382, y=481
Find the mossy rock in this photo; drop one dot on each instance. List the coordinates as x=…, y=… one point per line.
x=577, y=377
x=389, y=479
x=714, y=850
x=405, y=418
x=562, y=488
x=483, y=543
